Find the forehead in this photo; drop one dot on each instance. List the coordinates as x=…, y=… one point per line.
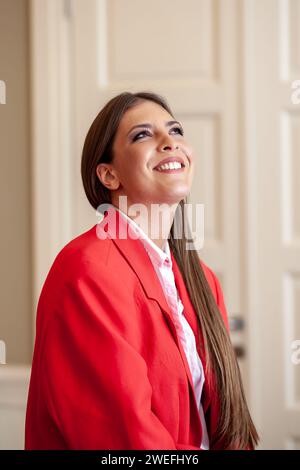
x=146, y=111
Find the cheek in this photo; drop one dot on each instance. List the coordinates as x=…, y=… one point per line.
x=140, y=158
x=131, y=168
x=189, y=151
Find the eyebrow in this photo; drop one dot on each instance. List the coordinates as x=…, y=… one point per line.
x=149, y=126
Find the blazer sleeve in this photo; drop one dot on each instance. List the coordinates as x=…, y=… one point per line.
x=94, y=381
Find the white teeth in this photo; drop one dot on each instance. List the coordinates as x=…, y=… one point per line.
x=170, y=166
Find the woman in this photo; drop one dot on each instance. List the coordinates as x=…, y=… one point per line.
x=132, y=346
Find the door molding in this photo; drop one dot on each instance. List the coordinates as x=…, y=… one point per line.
x=51, y=133
x=249, y=212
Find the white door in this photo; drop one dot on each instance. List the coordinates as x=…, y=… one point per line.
x=272, y=57
x=225, y=66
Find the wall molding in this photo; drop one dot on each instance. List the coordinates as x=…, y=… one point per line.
x=14, y=382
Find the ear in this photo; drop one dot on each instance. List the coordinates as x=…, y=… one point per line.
x=108, y=176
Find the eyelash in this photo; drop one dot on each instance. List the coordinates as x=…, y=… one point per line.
x=148, y=133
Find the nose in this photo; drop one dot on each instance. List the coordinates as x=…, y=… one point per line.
x=168, y=145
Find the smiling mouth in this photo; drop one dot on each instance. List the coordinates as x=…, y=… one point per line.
x=175, y=167
x=179, y=170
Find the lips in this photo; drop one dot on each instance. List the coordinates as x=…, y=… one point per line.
x=170, y=160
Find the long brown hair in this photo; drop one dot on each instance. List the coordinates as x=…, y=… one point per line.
x=235, y=427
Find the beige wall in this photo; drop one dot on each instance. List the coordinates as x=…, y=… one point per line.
x=15, y=236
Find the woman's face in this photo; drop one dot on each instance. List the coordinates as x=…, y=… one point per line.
x=146, y=136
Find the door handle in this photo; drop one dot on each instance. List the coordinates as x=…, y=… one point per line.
x=237, y=324
x=239, y=351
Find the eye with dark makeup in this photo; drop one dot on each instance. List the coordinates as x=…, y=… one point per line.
x=147, y=132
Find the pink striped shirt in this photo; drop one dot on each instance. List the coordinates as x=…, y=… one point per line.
x=162, y=263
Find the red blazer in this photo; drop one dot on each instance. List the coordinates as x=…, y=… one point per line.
x=109, y=371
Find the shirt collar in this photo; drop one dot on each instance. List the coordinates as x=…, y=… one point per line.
x=158, y=256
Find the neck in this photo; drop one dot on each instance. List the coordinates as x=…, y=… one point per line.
x=154, y=219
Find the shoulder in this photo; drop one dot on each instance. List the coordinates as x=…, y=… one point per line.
x=83, y=248
x=82, y=256
x=83, y=273
x=84, y=253
x=91, y=261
